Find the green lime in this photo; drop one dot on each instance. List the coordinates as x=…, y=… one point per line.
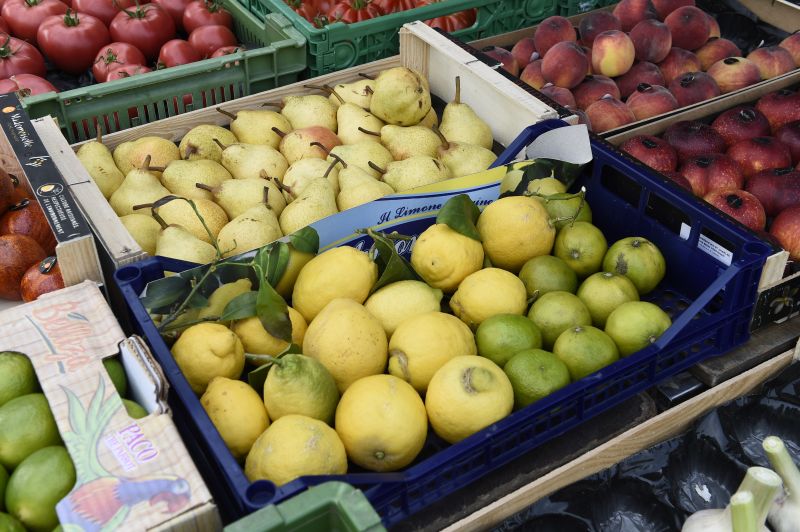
x=26, y=425
x=19, y=378
x=584, y=350
x=602, y=292
x=297, y=384
x=555, y=312
x=635, y=325
x=639, y=260
x=582, y=246
x=9, y=523
x=117, y=373
x=563, y=207
x=534, y=374
x=36, y=486
x=3, y=482
x=503, y=335
x=134, y=409
x=547, y=273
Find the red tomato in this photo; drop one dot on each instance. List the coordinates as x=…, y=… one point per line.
x=453, y=22
x=147, y=27
x=126, y=71
x=71, y=41
x=393, y=6
x=207, y=39
x=105, y=10
x=177, y=52
x=205, y=13
x=29, y=84
x=24, y=16
x=19, y=57
x=115, y=55
x=175, y=8
x=3, y=26
x=227, y=50
x=350, y=11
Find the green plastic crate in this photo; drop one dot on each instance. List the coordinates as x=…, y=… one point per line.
x=340, y=45
x=329, y=507
x=129, y=102
x=568, y=8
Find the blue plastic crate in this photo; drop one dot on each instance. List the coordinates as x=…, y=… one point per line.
x=711, y=304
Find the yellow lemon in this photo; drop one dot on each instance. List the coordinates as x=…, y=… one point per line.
x=486, y=293
x=422, y=344
x=208, y=350
x=297, y=259
x=515, y=229
x=257, y=340
x=397, y=302
x=223, y=295
x=238, y=413
x=444, y=257
x=294, y=446
x=466, y=395
x=343, y=272
x=349, y=341
x=382, y=423
x=298, y=384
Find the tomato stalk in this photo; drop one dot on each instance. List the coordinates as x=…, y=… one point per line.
x=32, y=3
x=140, y=12
x=5, y=49
x=214, y=6
x=69, y=20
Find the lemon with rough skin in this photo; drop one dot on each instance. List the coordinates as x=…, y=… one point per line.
x=397, y=302
x=295, y=446
x=298, y=384
x=208, y=350
x=424, y=343
x=502, y=336
x=585, y=349
x=26, y=425
x=223, y=295
x=9, y=523
x=515, y=229
x=535, y=374
x=348, y=340
x=237, y=412
x=635, y=325
x=342, y=272
x=257, y=340
x=555, y=312
x=19, y=377
x=566, y=208
x=602, y=292
x=486, y=293
x=543, y=186
x=582, y=246
x=443, y=257
x=547, y=273
x=297, y=260
x=382, y=423
x=116, y=372
x=466, y=395
x=639, y=260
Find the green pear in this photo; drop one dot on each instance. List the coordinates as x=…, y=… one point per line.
x=361, y=154
x=317, y=201
x=430, y=120
x=223, y=295
x=121, y=158
x=180, y=177
x=358, y=92
x=179, y=212
x=176, y=242
x=301, y=172
x=414, y=172
x=144, y=229
x=465, y=159
x=254, y=126
x=139, y=187
x=461, y=124
x=359, y=187
x=99, y=163
x=309, y=110
x=255, y=227
x=237, y=195
x=356, y=124
x=404, y=142
x=161, y=153
x=401, y=96
x=308, y=143
x=203, y=142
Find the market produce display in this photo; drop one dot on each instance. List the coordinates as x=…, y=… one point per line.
x=641, y=60
x=320, y=13
x=276, y=171
x=113, y=40
x=746, y=162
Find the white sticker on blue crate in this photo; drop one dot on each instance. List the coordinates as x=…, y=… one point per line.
x=570, y=144
x=720, y=253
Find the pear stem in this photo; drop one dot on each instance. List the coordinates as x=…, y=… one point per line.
x=273, y=104
x=376, y=167
x=445, y=142
x=230, y=115
x=369, y=90
x=338, y=97
x=265, y=197
x=284, y=188
x=321, y=146
x=218, y=143
x=264, y=359
x=338, y=160
x=368, y=132
x=278, y=132
x=203, y=186
x=323, y=88
x=457, y=98
x=264, y=175
x=99, y=134
x=146, y=163
x=366, y=76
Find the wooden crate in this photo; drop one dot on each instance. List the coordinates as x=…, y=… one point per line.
x=504, y=105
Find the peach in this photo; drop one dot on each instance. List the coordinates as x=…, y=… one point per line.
x=608, y=113
x=595, y=23
x=740, y=123
x=792, y=45
x=760, y=153
x=652, y=40
x=504, y=57
x=560, y=95
x=532, y=74
x=632, y=12
x=714, y=30
x=639, y=73
x=789, y=134
x=772, y=61
x=734, y=73
x=665, y=7
x=652, y=151
x=689, y=27
x=708, y=173
x=716, y=49
x=651, y=100
x=780, y=107
x=677, y=63
x=524, y=51
x=693, y=87
x=565, y=64
x=693, y=139
x=592, y=88
x=588, y=51
x=582, y=117
x=552, y=31
x=612, y=54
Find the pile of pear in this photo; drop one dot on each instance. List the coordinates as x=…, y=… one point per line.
x=273, y=172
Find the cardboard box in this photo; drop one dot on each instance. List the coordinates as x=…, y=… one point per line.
x=505, y=106
x=24, y=155
x=66, y=334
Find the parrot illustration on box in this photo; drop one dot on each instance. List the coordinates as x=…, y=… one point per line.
x=101, y=501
